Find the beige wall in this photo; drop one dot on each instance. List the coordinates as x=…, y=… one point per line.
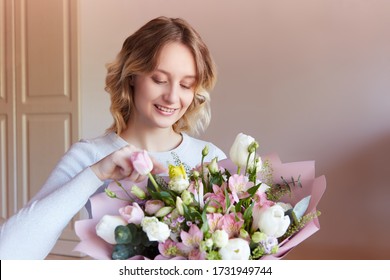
x=308, y=79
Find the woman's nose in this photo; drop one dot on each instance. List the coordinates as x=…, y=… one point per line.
x=172, y=94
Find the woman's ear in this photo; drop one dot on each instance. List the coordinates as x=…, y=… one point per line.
x=131, y=80
x=200, y=98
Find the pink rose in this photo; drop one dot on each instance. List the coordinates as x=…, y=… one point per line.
x=141, y=162
x=133, y=214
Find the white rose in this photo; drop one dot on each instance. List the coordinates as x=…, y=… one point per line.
x=235, y=249
x=239, y=150
x=220, y=238
x=105, y=229
x=272, y=221
x=178, y=184
x=155, y=230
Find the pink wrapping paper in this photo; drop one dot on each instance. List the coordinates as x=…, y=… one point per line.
x=92, y=245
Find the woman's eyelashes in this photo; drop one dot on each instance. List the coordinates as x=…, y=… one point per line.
x=185, y=86
x=161, y=81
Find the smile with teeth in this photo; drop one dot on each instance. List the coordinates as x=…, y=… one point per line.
x=165, y=109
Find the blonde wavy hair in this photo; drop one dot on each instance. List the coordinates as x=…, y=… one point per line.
x=139, y=55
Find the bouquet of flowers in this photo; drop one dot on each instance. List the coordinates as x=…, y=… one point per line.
x=245, y=207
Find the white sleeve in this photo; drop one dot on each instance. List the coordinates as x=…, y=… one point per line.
x=214, y=151
x=34, y=230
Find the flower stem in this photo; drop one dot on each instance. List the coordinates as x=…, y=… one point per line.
x=205, y=188
x=120, y=185
x=151, y=178
x=247, y=163
x=124, y=199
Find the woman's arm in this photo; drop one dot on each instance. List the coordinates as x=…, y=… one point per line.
x=34, y=230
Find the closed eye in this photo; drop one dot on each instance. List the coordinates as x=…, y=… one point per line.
x=159, y=81
x=186, y=86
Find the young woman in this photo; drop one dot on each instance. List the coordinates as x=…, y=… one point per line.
x=158, y=86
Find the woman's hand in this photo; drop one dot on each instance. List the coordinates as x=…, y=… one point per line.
x=118, y=166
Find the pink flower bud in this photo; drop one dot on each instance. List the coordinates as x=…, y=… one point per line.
x=133, y=214
x=152, y=206
x=141, y=162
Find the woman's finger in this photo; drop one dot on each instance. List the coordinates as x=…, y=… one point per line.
x=158, y=168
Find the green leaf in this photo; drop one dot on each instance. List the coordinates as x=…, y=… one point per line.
x=293, y=217
x=123, y=235
x=254, y=189
x=239, y=205
x=122, y=252
x=301, y=207
x=286, y=183
x=299, y=181
x=187, y=214
x=196, y=216
x=227, y=199
x=137, y=234
x=216, y=179
x=205, y=225
x=248, y=212
x=228, y=175
x=165, y=196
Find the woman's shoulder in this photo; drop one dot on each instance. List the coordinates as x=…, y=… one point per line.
x=97, y=147
x=103, y=139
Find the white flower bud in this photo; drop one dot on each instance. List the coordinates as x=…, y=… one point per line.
x=105, y=229
x=179, y=205
x=163, y=211
x=138, y=192
x=239, y=150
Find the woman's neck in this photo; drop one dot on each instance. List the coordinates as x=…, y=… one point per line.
x=152, y=140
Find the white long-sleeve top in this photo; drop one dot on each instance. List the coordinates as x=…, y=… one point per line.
x=34, y=230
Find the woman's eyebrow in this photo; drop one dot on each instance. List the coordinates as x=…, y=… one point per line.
x=169, y=74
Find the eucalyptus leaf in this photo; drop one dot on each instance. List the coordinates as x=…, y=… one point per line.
x=122, y=252
x=301, y=207
x=137, y=238
x=123, y=235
